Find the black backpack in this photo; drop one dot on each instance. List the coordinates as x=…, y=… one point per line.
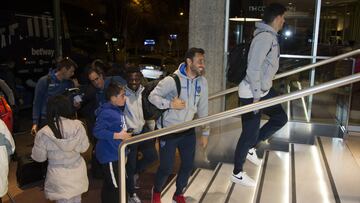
x=237, y=62
x=150, y=111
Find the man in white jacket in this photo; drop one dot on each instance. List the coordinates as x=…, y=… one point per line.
x=193, y=100
x=134, y=118
x=7, y=147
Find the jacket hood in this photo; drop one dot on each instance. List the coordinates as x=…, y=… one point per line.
x=261, y=27
x=181, y=71
x=71, y=137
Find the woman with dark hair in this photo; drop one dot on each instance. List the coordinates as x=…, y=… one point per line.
x=60, y=142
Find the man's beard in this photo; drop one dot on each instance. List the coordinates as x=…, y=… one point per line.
x=198, y=71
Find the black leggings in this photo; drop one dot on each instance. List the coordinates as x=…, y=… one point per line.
x=110, y=188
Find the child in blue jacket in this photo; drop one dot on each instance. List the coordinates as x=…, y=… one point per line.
x=110, y=129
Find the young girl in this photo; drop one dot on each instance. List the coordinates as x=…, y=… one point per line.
x=60, y=142
x=110, y=129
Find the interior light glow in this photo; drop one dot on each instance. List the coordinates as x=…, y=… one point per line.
x=244, y=19
x=288, y=33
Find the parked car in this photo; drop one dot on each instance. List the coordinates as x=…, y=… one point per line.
x=151, y=71
x=150, y=67
x=155, y=67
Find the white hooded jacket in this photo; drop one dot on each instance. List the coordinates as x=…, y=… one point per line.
x=66, y=175
x=7, y=145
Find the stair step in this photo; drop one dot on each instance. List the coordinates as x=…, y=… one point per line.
x=308, y=175
x=273, y=185
x=197, y=185
x=198, y=175
x=344, y=171
x=239, y=193
x=168, y=192
x=219, y=185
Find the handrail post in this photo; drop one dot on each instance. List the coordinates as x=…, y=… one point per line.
x=122, y=175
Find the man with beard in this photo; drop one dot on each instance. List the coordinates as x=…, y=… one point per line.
x=193, y=100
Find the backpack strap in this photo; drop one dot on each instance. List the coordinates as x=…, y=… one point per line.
x=178, y=89
x=271, y=41
x=177, y=82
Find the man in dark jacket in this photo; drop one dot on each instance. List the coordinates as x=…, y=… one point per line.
x=55, y=83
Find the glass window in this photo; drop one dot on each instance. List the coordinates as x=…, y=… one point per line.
x=295, y=38
x=339, y=27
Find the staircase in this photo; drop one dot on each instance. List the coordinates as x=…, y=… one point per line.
x=323, y=172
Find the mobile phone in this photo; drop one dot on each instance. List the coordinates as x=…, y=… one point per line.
x=130, y=130
x=77, y=99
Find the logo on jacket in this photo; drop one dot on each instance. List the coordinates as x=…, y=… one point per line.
x=198, y=89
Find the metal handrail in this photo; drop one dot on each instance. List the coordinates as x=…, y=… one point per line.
x=220, y=116
x=287, y=73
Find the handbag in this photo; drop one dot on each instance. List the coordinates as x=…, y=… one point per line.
x=6, y=113
x=30, y=173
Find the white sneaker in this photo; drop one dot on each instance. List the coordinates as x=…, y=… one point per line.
x=243, y=179
x=252, y=157
x=134, y=199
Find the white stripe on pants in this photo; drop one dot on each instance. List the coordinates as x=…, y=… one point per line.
x=112, y=175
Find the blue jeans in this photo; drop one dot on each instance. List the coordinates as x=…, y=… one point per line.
x=251, y=133
x=185, y=142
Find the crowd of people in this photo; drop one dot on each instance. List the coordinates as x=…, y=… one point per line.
x=109, y=110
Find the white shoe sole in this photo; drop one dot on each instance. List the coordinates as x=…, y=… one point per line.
x=237, y=181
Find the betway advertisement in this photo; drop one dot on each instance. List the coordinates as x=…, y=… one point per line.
x=28, y=40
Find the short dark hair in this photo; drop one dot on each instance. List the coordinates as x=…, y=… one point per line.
x=192, y=51
x=272, y=11
x=113, y=89
x=65, y=63
x=96, y=69
x=133, y=69
x=100, y=64
x=58, y=106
